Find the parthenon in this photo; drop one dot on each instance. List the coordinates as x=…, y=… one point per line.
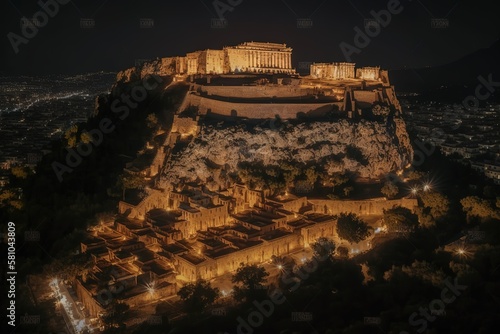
x=258, y=57
x=249, y=57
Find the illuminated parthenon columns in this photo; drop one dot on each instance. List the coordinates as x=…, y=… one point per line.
x=259, y=57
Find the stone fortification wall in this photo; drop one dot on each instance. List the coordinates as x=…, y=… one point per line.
x=211, y=268
x=258, y=110
x=366, y=96
x=255, y=91
x=362, y=207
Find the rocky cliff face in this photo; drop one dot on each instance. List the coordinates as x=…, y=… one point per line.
x=127, y=75
x=378, y=149
x=160, y=66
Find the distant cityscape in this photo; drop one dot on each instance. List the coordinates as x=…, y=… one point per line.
x=469, y=136
x=36, y=110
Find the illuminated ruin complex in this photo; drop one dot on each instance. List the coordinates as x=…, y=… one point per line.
x=187, y=230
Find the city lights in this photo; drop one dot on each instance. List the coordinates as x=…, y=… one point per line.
x=65, y=300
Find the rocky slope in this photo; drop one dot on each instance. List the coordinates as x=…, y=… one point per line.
x=216, y=152
x=160, y=66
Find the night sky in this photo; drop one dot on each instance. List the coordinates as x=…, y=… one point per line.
x=117, y=39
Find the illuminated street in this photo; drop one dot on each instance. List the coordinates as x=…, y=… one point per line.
x=75, y=320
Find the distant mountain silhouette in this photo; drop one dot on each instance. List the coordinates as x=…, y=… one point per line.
x=460, y=75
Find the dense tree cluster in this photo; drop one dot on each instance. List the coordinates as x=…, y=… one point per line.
x=400, y=219
x=197, y=296
x=352, y=228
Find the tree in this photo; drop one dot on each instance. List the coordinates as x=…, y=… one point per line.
x=323, y=248
x=20, y=172
x=352, y=228
x=9, y=199
x=389, y=190
x=131, y=181
x=413, y=175
x=474, y=206
x=198, y=296
x=343, y=252
x=347, y=191
x=338, y=179
x=86, y=137
x=7, y=195
x=311, y=175
x=70, y=136
x=251, y=279
x=422, y=270
x=115, y=316
x=152, y=121
x=290, y=173
x=400, y=219
x=437, y=204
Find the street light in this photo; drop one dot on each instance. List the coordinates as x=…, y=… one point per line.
x=151, y=287
x=427, y=187
x=462, y=252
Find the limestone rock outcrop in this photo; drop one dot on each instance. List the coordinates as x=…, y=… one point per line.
x=160, y=66
x=381, y=148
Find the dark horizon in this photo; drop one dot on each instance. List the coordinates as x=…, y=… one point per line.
x=420, y=35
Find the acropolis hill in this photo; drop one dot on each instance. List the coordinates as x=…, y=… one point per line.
x=244, y=170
